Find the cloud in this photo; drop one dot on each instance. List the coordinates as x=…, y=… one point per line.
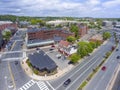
x=111, y=4
x=80, y=8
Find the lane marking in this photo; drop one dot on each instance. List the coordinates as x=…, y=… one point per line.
x=50, y=85
x=11, y=74
x=82, y=74
x=82, y=67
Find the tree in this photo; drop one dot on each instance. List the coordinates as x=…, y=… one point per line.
x=7, y=35
x=106, y=35
x=71, y=39
x=74, y=58
x=74, y=29
x=33, y=22
x=93, y=44
x=84, y=48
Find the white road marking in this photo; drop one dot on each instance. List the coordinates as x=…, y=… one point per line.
x=82, y=74
x=27, y=85
x=50, y=85
x=42, y=85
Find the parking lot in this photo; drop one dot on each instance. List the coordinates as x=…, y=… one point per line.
x=58, y=58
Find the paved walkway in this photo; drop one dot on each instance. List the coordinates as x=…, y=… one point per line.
x=30, y=73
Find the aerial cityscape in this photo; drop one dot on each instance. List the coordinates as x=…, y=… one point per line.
x=59, y=45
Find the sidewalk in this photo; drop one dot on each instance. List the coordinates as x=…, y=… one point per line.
x=30, y=73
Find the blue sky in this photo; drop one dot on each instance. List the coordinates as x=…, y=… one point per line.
x=77, y=8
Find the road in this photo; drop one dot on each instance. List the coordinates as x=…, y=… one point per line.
x=104, y=76
x=81, y=71
x=16, y=74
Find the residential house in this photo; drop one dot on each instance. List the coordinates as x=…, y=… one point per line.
x=67, y=48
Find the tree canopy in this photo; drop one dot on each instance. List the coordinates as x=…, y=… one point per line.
x=106, y=35
x=75, y=29
x=7, y=35
x=71, y=39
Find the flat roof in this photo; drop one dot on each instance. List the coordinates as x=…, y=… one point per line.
x=42, y=61
x=42, y=29
x=38, y=42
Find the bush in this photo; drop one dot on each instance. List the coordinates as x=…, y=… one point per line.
x=28, y=62
x=35, y=71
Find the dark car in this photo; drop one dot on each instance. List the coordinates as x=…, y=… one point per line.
x=70, y=62
x=103, y=68
x=51, y=49
x=117, y=49
x=37, y=49
x=67, y=82
x=16, y=62
x=118, y=57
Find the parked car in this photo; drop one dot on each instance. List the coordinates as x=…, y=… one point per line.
x=51, y=49
x=58, y=56
x=37, y=48
x=118, y=57
x=53, y=46
x=103, y=68
x=67, y=82
x=70, y=62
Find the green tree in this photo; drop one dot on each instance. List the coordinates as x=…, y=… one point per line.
x=93, y=44
x=33, y=22
x=7, y=35
x=83, y=49
x=74, y=58
x=106, y=35
x=75, y=29
x=71, y=39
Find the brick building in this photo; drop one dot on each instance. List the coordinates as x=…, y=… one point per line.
x=83, y=29
x=44, y=33
x=42, y=36
x=6, y=25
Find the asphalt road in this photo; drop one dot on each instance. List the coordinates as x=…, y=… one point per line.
x=81, y=71
x=101, y=80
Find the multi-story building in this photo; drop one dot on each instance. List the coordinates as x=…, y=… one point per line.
x=42, y=36
x=83, y=29
x=8, y=24
x=46, y=36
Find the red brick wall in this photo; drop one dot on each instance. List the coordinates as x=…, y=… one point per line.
x=83, y=29
x=49, y=34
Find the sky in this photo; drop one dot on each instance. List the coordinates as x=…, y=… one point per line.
x=71, y=8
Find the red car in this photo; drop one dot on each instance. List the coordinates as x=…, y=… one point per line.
x=53, y=46
x=103, y=68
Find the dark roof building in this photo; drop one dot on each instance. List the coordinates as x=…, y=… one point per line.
x=42, y=62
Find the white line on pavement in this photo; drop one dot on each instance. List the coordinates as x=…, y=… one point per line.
x=78, y=69
x=82, y=74
x=50, y=85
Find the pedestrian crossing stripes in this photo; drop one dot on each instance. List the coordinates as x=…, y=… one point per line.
x=27, y=85
x=42, y=85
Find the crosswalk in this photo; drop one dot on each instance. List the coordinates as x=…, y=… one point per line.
x=40, y=84
x=27, y=85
